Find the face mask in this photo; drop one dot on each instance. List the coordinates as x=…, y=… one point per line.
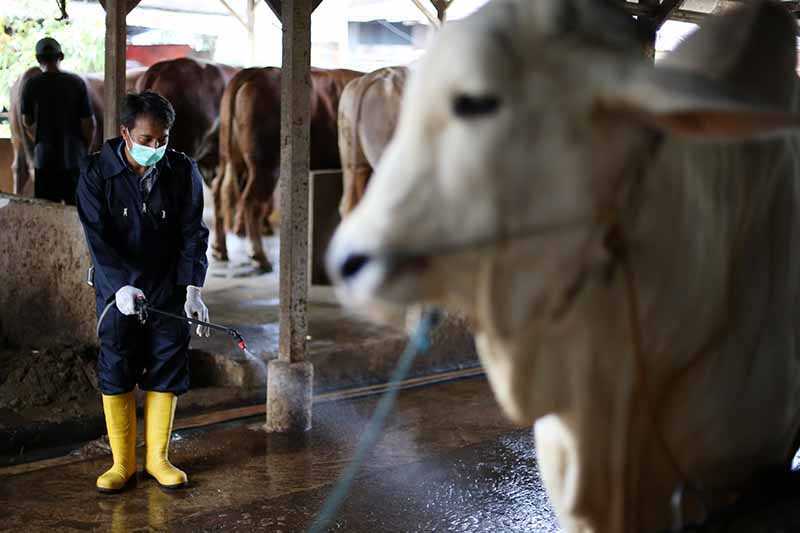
x=146, y=156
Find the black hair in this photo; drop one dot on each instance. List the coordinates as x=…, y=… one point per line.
x=146, y=103
x=49, y=57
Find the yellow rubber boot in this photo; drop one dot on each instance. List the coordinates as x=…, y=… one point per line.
x=159, y=411
x=120, y=412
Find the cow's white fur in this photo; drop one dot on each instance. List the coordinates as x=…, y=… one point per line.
x=710, y=233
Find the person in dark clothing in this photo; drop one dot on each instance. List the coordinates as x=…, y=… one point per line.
x=58, y=119
x=141, y=207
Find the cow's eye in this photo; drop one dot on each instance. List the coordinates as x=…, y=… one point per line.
x=467, y=105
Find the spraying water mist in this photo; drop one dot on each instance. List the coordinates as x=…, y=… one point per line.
x=257, y=361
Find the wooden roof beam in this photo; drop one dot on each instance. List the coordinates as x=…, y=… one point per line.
x=664, y=12
x=233, y=13
x=683, y=15
x=428, y=15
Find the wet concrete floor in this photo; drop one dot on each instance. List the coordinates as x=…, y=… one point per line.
x=447, y=461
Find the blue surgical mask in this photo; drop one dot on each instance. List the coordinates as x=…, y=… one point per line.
x=146, y=156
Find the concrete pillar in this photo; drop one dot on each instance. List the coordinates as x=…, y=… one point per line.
x=116, y=37
x=290, y=378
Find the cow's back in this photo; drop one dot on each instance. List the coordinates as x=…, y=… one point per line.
x=195, y=89
x=229, y=150
x=380, y=109
x=367, y=117
x=250, y=119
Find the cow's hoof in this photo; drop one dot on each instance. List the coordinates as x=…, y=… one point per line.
x=263, y=268
x=219, y=255
x=261, y=264
x=239, y=228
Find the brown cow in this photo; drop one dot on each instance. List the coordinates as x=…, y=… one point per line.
x=250, y=124
x=22, y=163
x=195, y=90
x=368, y=114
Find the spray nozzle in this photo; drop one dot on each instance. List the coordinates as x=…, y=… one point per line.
x=238, y=338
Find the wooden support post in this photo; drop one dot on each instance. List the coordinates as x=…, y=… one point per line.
x=441, y=9
x=290, y=378
x=275, y=6
x=116, y=38
x=648, y=29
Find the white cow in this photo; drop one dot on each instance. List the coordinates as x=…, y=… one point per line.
x=625, y=238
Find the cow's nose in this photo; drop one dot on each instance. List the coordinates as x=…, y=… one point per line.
x=352, y=265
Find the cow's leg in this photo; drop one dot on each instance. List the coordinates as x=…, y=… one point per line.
x=15, y=173
x=266, y=214
x=230, y=201
x=237, y=223
x=258, y=189
x=358, y=187
x=219, y=248
x=21, y=174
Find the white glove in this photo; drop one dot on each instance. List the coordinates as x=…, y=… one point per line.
x=126, y=299
x=195, y=308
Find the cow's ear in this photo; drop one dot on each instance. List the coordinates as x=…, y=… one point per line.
x=686, y=104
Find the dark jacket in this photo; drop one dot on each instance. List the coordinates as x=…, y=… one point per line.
x=56, y=102
x=156, y=243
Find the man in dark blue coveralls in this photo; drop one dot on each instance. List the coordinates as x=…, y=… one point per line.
x=141, y=206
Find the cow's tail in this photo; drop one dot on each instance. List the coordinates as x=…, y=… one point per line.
x=348, y=151
x=208, y=153
x=229, y=194
x=229, y=186
x=227, y=115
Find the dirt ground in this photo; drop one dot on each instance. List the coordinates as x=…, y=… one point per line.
x=49, y=384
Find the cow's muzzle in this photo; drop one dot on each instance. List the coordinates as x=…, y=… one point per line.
x=361, y=275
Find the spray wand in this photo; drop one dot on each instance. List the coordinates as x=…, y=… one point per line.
x=143, y=309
